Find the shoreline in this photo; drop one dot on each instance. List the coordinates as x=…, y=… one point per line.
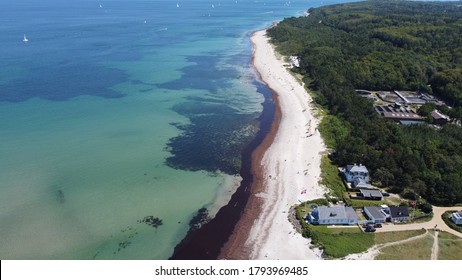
x=286, y=167
x=204, y=243
x=235, y=247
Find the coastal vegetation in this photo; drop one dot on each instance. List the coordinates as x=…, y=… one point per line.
x=418, y=249
x=331, y=179
x=419, y=245
x=388, y=237
x=449, y=247
x=385, y=45
x=340, y=242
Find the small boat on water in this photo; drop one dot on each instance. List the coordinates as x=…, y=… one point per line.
x=25, y=40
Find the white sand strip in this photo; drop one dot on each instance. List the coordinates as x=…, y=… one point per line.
x=291, y=164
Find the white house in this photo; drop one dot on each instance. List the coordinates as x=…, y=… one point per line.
x=353, y=172
x=294, y=61
x=457, y=218
x=333, y=215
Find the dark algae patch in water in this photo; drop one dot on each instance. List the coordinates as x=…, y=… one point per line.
x=217, y=133
x=214, y=139
x=207, y=240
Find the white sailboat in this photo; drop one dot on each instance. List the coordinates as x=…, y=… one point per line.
x=25, y=40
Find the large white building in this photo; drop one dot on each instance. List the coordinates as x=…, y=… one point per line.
x=333, y=215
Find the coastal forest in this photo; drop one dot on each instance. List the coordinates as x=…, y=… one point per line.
x=385, y=45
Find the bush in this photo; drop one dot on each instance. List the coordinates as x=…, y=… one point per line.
x=425, y=207
x=408, y=194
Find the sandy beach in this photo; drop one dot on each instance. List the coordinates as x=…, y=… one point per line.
x=286, y=168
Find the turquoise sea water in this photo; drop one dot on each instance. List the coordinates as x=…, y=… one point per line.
x=118, y=110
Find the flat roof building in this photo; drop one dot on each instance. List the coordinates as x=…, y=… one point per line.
x=401, y=116
x=397, y=113
x=371, y=194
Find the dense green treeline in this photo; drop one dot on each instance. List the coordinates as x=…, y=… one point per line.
x=385, y=45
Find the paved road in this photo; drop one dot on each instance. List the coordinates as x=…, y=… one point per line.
x=437, y=220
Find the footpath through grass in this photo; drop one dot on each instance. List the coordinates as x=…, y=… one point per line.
x=388, y=237
x=420, y=249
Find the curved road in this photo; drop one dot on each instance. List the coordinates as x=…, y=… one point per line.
x=437, y=220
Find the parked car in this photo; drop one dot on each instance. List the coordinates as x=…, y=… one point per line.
x=385, y=194
x=370, y=229
x=368, y=224
x=378, y=225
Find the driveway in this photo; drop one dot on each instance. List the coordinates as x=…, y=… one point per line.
x=437, y=220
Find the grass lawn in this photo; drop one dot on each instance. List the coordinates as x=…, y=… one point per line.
x=392, y=200
x=337, y=229
x=340, y=242
x=387, y=237
x=450, y=247
x=355, y=203
x=420, y=249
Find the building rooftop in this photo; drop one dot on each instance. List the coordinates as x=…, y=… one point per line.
x=356, y=168
x=371, y=193
x=374, y=212
x=359, y=182
x=336, y=212
x=458, y=215
x=399, y=211
x=397, y=113
x=401, y=116
x=437, y=115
